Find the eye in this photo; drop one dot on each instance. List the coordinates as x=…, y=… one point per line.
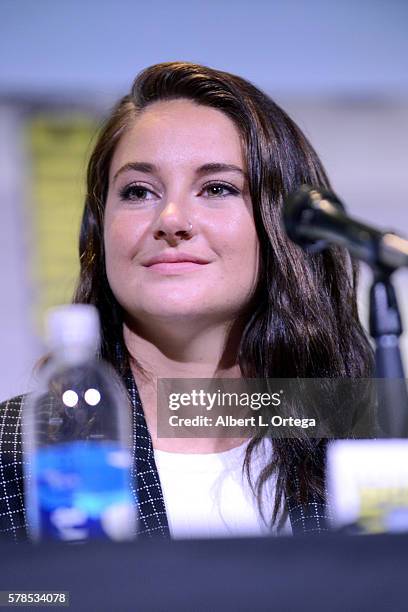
x=219, y=190
x=136, y=193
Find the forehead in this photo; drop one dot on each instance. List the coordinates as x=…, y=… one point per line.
x=180, y=131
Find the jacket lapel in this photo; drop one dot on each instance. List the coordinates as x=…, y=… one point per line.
x=145, y=477
x=310, y=517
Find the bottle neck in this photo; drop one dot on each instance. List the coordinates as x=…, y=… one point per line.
x=73, y=355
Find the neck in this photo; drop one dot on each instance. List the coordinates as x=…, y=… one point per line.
x=182, y=353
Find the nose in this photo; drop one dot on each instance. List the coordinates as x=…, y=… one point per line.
x=173, y=225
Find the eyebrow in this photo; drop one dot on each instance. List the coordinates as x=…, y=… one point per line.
x=201, y=171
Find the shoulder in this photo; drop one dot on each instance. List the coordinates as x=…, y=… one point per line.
x=10, y=424
x=14, y=402
x=12, y=407
x=12, y=512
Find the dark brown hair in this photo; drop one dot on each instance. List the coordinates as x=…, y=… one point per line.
x=304, y=321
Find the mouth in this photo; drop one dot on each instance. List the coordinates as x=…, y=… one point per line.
x=175, y=262
x=176, y=267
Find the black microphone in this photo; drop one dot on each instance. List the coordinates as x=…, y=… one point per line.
x=315, y=219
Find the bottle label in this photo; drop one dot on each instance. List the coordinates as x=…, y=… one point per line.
x=84, y=491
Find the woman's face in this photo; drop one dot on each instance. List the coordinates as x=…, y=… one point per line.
x=178, y=191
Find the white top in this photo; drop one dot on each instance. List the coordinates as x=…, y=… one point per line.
x=206, y=495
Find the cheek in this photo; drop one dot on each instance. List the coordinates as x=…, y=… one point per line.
x=121, y=244
x=121, y=237
x=238, y=241
x=114, y=239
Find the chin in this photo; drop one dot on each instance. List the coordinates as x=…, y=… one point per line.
x=180, y=307
x=181, y=303
x=174, y=312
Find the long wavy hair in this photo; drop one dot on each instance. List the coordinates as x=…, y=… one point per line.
x=304, y=321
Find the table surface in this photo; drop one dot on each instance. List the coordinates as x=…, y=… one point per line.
x=329, y=572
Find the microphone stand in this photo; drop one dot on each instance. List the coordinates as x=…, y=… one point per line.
x=315, y=219
x=385, y=329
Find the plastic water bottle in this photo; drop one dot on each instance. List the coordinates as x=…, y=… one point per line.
x=77, y=438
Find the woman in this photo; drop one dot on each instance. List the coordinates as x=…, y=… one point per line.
x=183, y=253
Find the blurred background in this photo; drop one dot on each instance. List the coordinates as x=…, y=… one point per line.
x=338, y=68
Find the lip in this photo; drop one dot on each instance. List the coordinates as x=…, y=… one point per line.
x=175, y=259
x=176, y=267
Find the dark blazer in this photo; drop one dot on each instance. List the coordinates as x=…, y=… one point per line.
x=147, y=491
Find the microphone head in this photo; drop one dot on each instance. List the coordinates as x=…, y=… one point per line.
x=302, y=208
